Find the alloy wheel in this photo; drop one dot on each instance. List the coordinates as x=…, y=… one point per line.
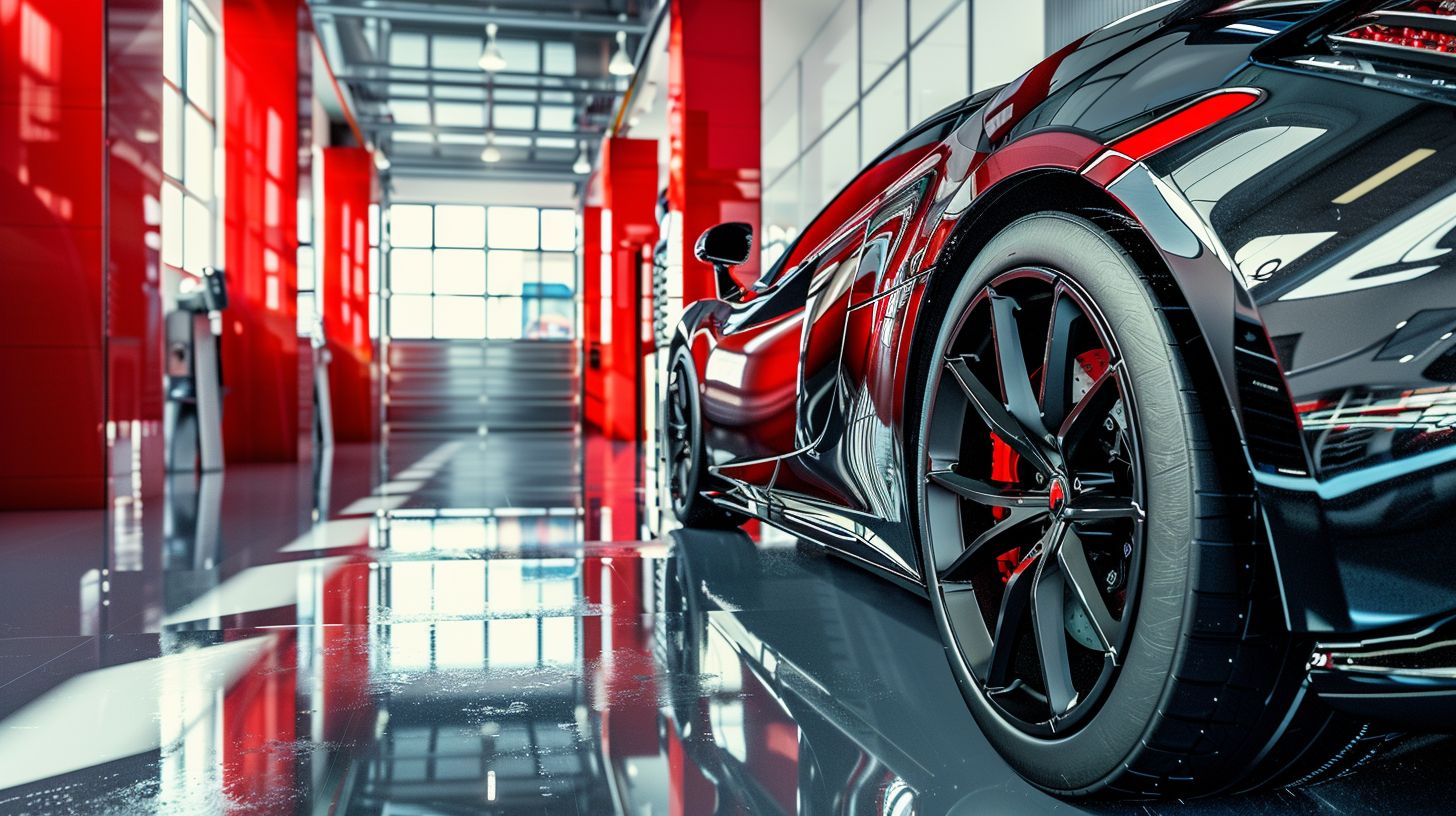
x=1033, y=499
x=679, y=441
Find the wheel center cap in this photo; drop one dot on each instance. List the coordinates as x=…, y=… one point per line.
x=1058, y=495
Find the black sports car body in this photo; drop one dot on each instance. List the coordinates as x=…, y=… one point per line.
x=1142, y=369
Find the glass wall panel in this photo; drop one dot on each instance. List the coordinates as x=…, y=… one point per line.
x=781, y=218
x=560, y=58
x=459, y=226
x=558, y=230
x=883, y=40
x=547, y=318
x=197, y=147
x=461, y=318
x=409, y=316
x=171, y=131
x=830, y=72
x=197, y=235
x=454, y=51
x=558, y=274
x=780, y=120
x=505, y=318
x=939, y=66
x=410, y=225
x=830, y=164
x=882, y=116
x=199, y=59
x=924, y=13
x=514, y=228
x=408, y=48
x=409, y=271
x=460, y=271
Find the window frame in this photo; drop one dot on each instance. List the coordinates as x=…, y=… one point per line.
x=188, y=13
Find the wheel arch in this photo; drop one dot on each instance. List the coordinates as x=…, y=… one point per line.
x=1059, y=190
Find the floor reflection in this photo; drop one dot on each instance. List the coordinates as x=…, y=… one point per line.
x=449, y=625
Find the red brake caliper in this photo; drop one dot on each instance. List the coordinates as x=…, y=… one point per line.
x=1005, y=461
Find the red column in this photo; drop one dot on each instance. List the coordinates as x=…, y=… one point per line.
x=713, y=127
x=80, y=332
x=628, y=223
x=348, y=176
x=260, y=339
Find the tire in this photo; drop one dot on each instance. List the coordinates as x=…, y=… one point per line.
x=1199, y=689
x=684, y=454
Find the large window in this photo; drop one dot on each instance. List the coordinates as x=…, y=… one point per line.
x=190, y=100
x=472, y=272
x=864, y=74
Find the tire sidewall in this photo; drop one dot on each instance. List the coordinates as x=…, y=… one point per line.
x=1085, y=759
x=682, y=362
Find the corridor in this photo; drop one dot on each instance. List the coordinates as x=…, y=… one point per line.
x=438, y=625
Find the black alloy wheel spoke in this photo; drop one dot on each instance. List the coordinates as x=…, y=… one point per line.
x=1058, y=364
x=677, y=417
x=1094, y=506
x=993, y=541
x=989, y=494
x=1048, y=602
x=1078, y=573
x=995, y=415
x=1011, y=621
x=1021, y=400
x=679, y=436
x=1094, y=408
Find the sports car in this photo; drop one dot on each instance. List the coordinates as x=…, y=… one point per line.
x=1141, y=369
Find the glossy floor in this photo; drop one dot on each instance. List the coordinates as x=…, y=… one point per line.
x=480, y=624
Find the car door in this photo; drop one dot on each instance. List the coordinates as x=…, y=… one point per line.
x=749, y=379
x=847, y=313
x=754, y=377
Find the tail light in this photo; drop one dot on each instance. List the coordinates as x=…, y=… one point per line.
x=1418, y=30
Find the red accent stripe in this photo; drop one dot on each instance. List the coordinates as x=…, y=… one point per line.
x=1183, y=123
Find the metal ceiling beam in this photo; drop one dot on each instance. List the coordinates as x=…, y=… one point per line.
x=575, y=93
x=465, y=16
x=384, y=72
x=381, y=126
x=479, y=171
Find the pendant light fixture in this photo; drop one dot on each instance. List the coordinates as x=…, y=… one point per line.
x=491, y=154
x=491, y=59
x=583, y=162
x=621, y=64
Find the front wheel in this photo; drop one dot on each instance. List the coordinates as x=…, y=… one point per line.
x=1091, y=569
x=684, y=453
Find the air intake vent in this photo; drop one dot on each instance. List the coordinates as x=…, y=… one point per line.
x=1270, y=427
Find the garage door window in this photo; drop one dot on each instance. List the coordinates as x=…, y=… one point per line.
x=474, y=273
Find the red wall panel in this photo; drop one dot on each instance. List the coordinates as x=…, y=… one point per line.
x=713, y=127
x=80, y=323
x=348, y=177
x=260, y=339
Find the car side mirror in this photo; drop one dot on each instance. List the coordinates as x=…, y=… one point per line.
x=726, y=246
